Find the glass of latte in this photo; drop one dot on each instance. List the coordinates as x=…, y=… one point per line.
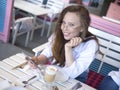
x=49, y=75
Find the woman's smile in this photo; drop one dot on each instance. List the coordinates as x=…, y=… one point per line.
x=66, y=34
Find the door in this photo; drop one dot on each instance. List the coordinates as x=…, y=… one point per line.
x=5, y=17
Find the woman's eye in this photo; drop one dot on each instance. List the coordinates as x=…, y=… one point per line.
x=71, y=25
x=63, y=22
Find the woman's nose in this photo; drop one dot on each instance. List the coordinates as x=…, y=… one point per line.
x=65, y=27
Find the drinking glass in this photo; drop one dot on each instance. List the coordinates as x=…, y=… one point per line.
x=49, y=76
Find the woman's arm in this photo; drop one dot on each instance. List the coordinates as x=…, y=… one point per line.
x=83, y=55
x=68, y=50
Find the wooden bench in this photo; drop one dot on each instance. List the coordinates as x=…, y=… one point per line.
x=102, y=65
x=109, y=45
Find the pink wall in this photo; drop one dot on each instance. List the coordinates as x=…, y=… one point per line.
x=105, y=25
x=4, y=36
x=113, y=11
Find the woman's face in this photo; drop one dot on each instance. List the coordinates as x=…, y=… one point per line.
x=71, y=26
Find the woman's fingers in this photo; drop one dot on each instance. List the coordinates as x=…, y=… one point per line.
x=32, y=65
x=75, y=41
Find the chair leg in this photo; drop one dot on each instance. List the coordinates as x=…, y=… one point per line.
x=14, y=35
x=43, y=28
x=27, y=39
x=31, y=36
x=49, y=29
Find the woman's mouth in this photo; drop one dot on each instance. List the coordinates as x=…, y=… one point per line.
x=66, y=34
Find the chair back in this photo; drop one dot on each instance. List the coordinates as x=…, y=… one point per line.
x=23, y=24
x=110, y=47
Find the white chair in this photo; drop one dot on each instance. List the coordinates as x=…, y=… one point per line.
x=22, y=26
x=110, y=60
x=110, y=47
x=56, y=6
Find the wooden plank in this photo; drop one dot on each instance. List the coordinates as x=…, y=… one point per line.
x=17, y=59
x=13, y=79
x=8, y=76
x=112, y=62
x=11, y=62
x=8, y=68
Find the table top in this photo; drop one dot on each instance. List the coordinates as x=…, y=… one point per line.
x=30, y=7
x=14, y=76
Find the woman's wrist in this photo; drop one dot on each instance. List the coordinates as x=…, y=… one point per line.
x=67, y=46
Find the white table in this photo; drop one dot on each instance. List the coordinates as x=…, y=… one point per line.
x=14, y=75
x=32, y=9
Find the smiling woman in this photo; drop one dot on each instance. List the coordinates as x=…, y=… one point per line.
x=68, y=47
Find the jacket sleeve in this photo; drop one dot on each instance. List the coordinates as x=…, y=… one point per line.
x=82, y=59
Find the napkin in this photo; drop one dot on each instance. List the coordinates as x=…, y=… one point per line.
x=4, y=84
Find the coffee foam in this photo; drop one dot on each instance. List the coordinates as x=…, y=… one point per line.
x=51, y=70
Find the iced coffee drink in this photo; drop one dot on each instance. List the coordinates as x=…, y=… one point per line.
x=50, y=73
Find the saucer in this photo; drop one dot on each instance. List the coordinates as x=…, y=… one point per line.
x=61, y=76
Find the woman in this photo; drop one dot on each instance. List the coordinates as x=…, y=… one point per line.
x=72, y=46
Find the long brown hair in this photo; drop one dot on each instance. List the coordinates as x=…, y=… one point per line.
x=59, y=41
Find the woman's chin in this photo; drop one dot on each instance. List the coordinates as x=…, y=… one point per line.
x=67, y=38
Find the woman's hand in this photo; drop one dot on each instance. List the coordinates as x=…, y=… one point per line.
x=73, y=42
x=35, y=59
x=33, y=62
x=41, y=59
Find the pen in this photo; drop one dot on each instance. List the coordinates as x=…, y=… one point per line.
x=20, y=65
